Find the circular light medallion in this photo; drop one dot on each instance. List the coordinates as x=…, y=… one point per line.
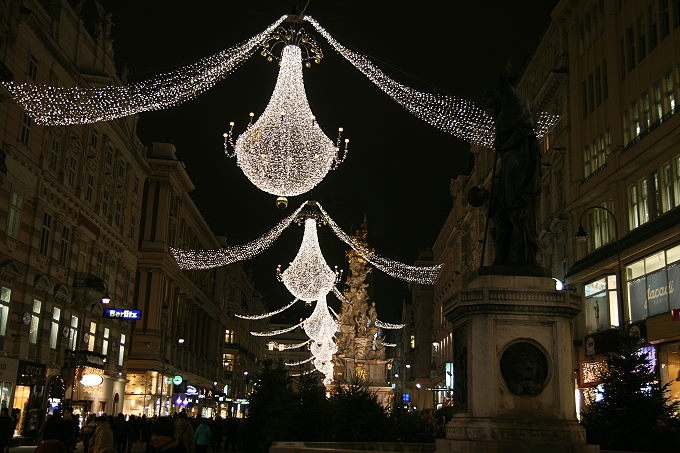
x=91, y=380
x=26, y=318
x=177, y=380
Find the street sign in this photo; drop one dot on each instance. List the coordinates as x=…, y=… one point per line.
x=123, y=313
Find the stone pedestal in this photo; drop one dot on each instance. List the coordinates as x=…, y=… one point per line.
x=513, y=368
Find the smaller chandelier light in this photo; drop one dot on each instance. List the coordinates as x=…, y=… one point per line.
x=308, y=277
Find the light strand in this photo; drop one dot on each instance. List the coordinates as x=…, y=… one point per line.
x=299, y=362
x=276, y=332
x=455, y=116
x=387, y=325
x=267, y=315
x=417, y=274
x=75, y=105
x=206, y=259
x=286, y=346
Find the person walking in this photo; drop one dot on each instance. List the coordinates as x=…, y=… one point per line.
x=184, y=432
x=102, y=440
x=163, y=437
x=202, y=436
x=6, y=429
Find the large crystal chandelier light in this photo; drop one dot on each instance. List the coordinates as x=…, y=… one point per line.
x=285, y=152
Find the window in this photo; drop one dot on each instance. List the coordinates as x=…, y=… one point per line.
x=658, y=103
x=94, y=139
x=602, y=307
x=652, y=29
x=605, y=84
x=664, y=20
x=105, y=341
x=676, y=174
x=73, y=333
x=655, y=202
x=651, y=284
x=601, y=225
x=228, y=336
x=25, y=129
x=105, y=202
x=72, y=169
x=127, y=282
x=638, y=208
x=412, y=342
x=90, y=187
x=5, y=298
x=667, y=192
x=642, y=38
x=32, y=70
x=228, y=362
x=99, y=263
x=669, y=96
x=55, y=154
x=630, y=49
x=118, y=213
x=121, y=350
x=54, y=328
x=14, y=217
x=135, y=186
x=634, y=120
x=121, y=169
x=646, y=111
x=45, y=234
x=109, y=155
x=64, y=246
x=35, y=322
x=133, y=226
x=92, y=337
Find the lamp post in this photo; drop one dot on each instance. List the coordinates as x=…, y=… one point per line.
x=582, y=235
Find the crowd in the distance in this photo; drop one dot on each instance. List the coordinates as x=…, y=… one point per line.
x=61, y=432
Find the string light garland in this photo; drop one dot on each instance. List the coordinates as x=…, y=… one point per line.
x=49, y=105
x=207, y=259
x=387, y=325
x=417, y=274
x=299, y=362
x=285, y=346
x=272, y=333
x=285, y=152
x=53, y=106
x=309, y=259
x=267, y=315
x=455, y=116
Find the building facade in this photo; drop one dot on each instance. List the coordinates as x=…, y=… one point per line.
x=610, y=167
x=88, y=212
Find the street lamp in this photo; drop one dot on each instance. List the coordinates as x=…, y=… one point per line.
x=582, y=235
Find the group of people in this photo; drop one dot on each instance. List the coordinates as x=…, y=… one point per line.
x=108, y=434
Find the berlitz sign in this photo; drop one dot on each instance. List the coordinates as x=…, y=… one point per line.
x=123, y=313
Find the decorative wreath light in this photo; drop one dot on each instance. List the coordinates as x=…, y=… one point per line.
x=285, y=153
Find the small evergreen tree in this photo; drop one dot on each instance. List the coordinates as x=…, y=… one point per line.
x=356, y=414
x=634, y=412
x=270, y=407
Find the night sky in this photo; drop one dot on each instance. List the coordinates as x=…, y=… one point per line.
x=399, y=168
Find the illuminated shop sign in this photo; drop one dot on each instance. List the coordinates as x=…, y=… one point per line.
x=91, y=380
x=123, y=313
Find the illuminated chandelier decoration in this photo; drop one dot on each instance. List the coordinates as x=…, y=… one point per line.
x=49, y=105
x=285, y=152
x=308, y=277
x=207, y=259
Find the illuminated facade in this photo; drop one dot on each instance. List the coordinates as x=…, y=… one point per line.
x=610, y=165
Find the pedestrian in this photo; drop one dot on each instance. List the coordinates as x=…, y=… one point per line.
x=217, y=428
x=120, y=433
x=103, y=436
x=184, y=431
x=87, y=430
x=163, y=436
x=202, y=436
x=6, y=429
